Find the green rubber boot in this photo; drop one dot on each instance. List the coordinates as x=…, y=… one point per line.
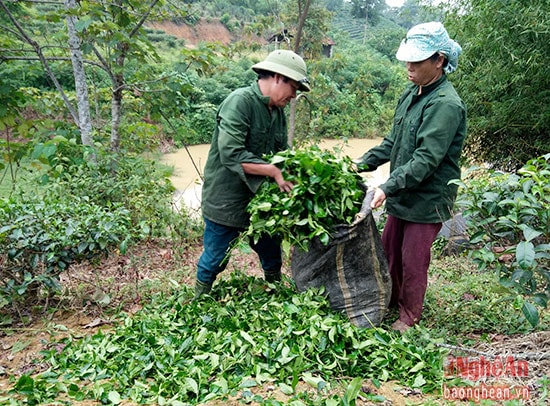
x=202, y=288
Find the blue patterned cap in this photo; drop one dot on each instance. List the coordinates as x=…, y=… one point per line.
x=424, y=40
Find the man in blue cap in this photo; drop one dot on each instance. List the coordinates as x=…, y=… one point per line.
x=250, y=123
x=423, y=148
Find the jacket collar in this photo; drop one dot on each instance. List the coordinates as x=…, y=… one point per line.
x=427, y=89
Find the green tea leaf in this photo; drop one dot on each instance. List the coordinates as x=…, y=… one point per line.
x=525, y=254
x=531, y=314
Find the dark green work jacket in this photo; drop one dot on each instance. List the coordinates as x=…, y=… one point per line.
x=424, y=149
x=245, y=131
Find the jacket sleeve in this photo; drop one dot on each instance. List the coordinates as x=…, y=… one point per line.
x=376, y=156
x=234, y=123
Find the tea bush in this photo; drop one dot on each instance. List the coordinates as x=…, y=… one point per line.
x=73, y=207
x=42, y=237
x=508, y=219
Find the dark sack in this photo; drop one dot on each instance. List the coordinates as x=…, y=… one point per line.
x=352, y=268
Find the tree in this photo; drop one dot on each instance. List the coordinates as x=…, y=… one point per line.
x=81, y=86
x=114, y=32
x=414, y=12
x=24, y=37
x=302, y=9
x=504, y=78
x=107, y=35
x=368, y=10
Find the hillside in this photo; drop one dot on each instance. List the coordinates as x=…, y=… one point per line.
x=204, y=31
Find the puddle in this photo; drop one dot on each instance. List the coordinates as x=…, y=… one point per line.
x=187, y=163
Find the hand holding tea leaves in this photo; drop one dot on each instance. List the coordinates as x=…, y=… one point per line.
x=327, y=191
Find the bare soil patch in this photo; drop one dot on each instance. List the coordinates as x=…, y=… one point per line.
x=203, y=31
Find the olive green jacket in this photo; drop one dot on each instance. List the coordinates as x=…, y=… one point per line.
x=424, y=149
x=245, y=131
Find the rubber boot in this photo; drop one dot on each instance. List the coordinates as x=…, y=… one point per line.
x=272, y=276
x=202, y=288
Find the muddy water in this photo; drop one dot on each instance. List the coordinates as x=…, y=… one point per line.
x=187, y=180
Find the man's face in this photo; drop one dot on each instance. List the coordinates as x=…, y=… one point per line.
x=284, y=90
x=425, y=72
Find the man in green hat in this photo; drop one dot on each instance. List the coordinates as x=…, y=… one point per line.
x=250, y=122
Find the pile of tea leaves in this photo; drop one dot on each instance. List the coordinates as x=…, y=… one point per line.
x=327, y=192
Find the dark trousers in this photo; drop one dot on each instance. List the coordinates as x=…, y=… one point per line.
x=408, y=248
x=218, y=241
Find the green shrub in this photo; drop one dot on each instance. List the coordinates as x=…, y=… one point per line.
x=80, y=208
x=509, y=101
x=42, y=237
x=140, y=185
x=508, y=217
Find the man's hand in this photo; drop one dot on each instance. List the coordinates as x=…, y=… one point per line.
x=284, y=185
x=378, y=199
x=269, y=170
x=359, y=167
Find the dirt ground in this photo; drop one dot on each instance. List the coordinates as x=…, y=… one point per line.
x=212, y=31
x=203, y=31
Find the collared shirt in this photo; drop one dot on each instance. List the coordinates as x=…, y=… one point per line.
x=246, y=129
x=424, y=149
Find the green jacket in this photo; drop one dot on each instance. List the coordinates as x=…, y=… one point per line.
x=245, y=131
x=424, y=149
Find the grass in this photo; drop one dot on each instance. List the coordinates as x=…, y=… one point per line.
x=463, y=301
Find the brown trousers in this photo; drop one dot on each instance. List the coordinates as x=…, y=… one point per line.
x=408, y=249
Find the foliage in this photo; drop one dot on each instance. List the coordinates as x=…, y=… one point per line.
x=79, y=209
x=41, y=237
x=178, y=351
x=326, y=192
x=186, y=103
x=13, y=126
x=369, y=10
x=508, y=217
x=354, y=95
x=315, y=26
x=179, y=95
x=463, y=301
x=138, y=184
x=414, y=12
x=386, y=38
x=504, y=78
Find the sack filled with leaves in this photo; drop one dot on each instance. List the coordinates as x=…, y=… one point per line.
x=327, y=191
x=352, y=268
x=328, y=221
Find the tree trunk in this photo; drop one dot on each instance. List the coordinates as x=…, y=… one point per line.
x=116, y=112
x=83, y=104
x=119, y=84
x=292, y=117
